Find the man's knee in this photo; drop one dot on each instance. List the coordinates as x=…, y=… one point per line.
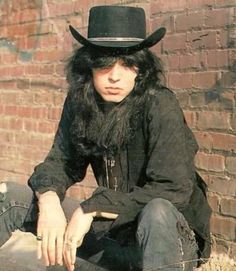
x=157, y=210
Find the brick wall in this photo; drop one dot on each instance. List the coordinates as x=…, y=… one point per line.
x=200, y=62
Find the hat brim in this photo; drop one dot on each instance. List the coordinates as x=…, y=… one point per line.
x=150, y=41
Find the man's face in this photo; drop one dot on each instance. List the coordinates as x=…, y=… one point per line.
x=115, y=82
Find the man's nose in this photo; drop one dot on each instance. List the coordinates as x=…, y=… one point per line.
x=114, y=73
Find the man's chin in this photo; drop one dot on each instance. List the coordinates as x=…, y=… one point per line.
x=113, y=98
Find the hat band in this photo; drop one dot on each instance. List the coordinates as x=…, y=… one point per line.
x=115, y=39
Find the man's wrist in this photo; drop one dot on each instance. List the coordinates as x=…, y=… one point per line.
x=49, y=196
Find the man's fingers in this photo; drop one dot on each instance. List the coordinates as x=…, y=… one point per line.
x=39, y=250
x=45, y=249
x=69, y=253
x=39, y=244
x=73, y=253
x=52, y=248
x=59, y=250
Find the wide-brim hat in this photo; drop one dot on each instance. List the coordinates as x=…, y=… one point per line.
x=118, y=27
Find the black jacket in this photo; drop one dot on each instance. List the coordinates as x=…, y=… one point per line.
x=157, y=163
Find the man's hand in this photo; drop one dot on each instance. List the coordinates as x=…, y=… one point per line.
x=78, y=226
x=51, y=228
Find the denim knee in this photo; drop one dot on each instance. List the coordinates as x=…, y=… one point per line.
x=157, y=211
x=15, y=202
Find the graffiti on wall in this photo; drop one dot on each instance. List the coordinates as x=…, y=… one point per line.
x=15, y=31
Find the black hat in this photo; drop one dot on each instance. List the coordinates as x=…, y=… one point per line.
x=118, y=27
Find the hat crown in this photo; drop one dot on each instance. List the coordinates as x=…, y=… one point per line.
x=116, y=22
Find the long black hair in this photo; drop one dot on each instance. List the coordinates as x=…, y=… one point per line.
x=101, y=126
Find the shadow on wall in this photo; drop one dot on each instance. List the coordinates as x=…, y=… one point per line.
x=228, y=79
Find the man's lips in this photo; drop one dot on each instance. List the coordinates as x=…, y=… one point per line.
x=113, y=90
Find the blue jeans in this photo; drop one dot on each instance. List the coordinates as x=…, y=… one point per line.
x=162, y=238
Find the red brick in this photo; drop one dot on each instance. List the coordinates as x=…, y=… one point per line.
x=22, y=30
x=16, y=71
x=222, y=185
x=228, y=207
x=59, y=98
x=39, y=112
x=4, y=72
x=231, y=164
x=8, y=58
x=31, y=154
x=48, y=41
x=213, y=201
x=210, y=162
x=28, y=15
x=8, y=84
x=46, y=127
x=48, y=56
x=204, y=80
x=165, y=6
x=213, y=120
x=173, y=62
x=189, y=21
x=225, y=3
x=60, y=69
x=180, y=80
x=190, y=118
x=84, y=5
x=30, y=125
x=203, y=39
x=4, y=124
x=197, y=99
x=218, y=18
x=166, y=21
x=54, y=113
x=227, y=79
x=177, y=42
x=76, y=192
x=9, y=98
x=11, y=110
x=23, y=84
x=8, y=151
x=183, y=98
x=7, y=137
x=60, y=9
x=23, y=167
x=22, y=138
x=217, y=59
x=30, y=43
x=223, y=227
x=224, y=38
x=224, y=142
x=24, y=112
x=47, y=69
x=15, y=124
x=193, y=4
x=32, y=69
x=194, y=61
x=43, y=98
x=233, y=122
x=204, y=140
x=26, y=98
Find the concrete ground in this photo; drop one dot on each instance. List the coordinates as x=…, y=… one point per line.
x=20, y=254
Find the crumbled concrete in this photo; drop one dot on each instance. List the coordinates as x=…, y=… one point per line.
x=19, y=253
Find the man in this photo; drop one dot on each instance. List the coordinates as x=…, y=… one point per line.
x=149, y=211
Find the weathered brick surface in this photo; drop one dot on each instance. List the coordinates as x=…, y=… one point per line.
x=199, y=55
